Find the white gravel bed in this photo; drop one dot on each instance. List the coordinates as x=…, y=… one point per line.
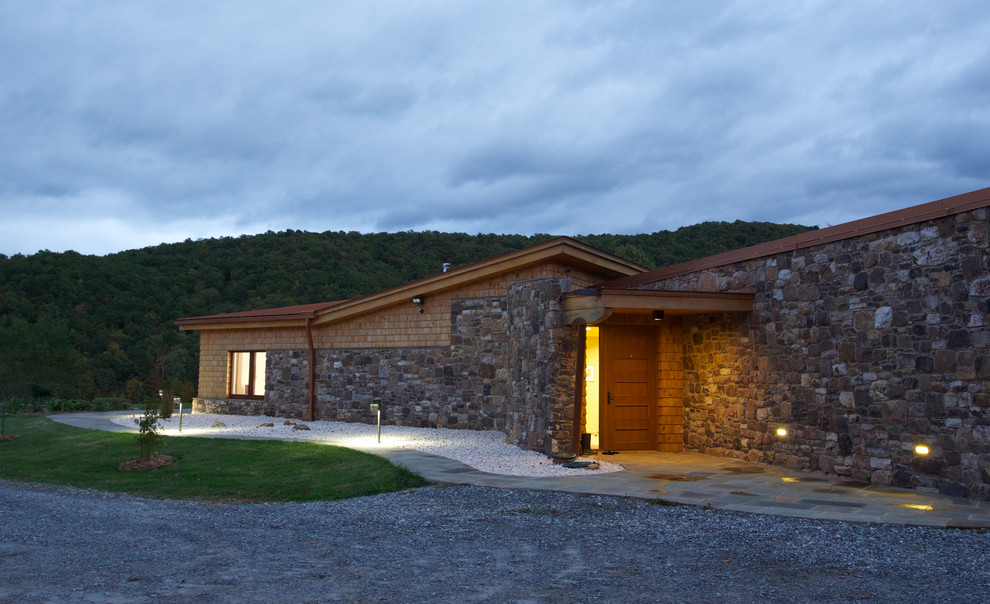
x=484, y=450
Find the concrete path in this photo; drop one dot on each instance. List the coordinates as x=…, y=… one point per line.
x=692, y=479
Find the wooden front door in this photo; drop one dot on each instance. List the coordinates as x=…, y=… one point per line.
x=629, y=396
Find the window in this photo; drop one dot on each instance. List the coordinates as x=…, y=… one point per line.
x=247, y=374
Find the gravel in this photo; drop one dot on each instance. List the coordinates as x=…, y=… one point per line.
x=464, y=544
x=485, y=450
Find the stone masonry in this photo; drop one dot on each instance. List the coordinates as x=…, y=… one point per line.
x=861, y=348
x=541, y=356
x=509, y=367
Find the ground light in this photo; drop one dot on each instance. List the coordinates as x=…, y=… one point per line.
x=921, y=449
x=782, y=432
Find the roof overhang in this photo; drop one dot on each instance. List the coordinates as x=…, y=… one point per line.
x=286, y=316
x=857, y=228
x=591, y=306
x=561, y=249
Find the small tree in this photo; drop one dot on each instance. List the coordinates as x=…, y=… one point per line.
x=148, y=435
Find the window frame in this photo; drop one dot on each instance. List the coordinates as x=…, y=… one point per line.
x=252, y=374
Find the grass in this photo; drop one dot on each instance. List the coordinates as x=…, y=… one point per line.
x=222, y=470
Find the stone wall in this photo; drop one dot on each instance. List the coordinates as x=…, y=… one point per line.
x=509, y=366
x=541, y=356
x=861, y=348
x=451, y=386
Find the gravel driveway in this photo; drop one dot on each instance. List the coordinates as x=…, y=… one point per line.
x=457, y=544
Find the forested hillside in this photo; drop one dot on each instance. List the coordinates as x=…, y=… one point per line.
x=82, y=326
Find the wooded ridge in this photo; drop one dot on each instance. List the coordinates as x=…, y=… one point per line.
x=82, y=326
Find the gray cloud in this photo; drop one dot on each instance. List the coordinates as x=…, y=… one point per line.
x=128, y=125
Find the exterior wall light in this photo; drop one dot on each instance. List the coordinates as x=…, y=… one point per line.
x=782, y=432
x=418, y=301
x=658, y=315
x=921, y=449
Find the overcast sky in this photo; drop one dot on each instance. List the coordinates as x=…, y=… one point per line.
x=128, y=124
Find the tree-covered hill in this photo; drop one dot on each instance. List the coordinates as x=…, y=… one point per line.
x=82, y=326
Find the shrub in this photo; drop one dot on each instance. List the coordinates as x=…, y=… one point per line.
x=186, y=390
x=109, y=403
x=165, y=404
x=17, y=404
x=68, y=405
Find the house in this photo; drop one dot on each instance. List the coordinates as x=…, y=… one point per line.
x=839, y=350
x=482, y=346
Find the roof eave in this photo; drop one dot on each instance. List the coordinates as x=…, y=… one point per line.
x=881, y=222
x=241, y=323
x=563, y=248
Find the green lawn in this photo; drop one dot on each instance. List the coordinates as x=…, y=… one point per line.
x=207, y=469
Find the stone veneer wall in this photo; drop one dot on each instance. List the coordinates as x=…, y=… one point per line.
x=440, y=386
x=509, y=367
x=541, y=357
x=862, y=348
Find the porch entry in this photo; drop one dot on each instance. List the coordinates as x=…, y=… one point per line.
x=633, y=398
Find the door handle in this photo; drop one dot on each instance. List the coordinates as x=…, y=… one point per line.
x=608, y=398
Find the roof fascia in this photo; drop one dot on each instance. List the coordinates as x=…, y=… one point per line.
x=235, y=323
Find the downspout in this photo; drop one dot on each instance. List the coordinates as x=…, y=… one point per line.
x=582, y=340
x=312, y=369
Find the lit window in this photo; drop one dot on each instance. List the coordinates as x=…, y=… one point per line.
x=247, y=374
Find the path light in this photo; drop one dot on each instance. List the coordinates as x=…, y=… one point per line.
x=921, y=449
x=782, y=432
x=377, y=408
x=178, y=401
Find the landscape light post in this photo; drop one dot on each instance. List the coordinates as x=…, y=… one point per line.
x=377, y=408
x=176, y=399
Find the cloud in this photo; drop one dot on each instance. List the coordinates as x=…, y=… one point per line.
x=157, y=121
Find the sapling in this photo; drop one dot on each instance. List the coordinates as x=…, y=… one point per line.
x=148, y=435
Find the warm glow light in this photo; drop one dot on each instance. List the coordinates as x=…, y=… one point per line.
x=781, y=432
x=921, y=449
x=916, y=506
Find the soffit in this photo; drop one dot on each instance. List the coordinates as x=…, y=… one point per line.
x=596, y=305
